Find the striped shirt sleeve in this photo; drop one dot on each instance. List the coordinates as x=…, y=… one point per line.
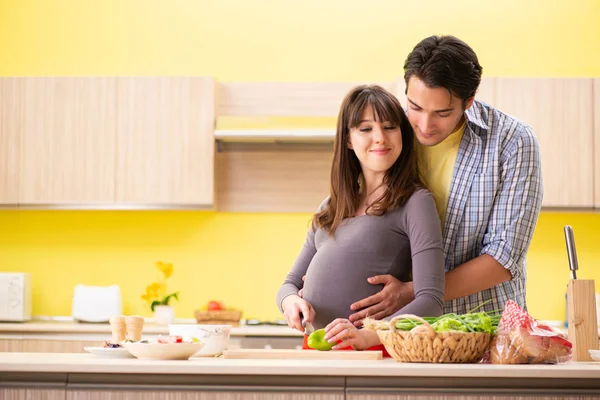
x=517, y=204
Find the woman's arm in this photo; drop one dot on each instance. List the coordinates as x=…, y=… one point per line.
x=423, y=228
x=293, y=282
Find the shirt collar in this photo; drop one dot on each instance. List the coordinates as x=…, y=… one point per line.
x=474, y=116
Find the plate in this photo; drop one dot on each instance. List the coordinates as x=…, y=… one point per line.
x=595, y=354
x=107, y=352
x=163, y=351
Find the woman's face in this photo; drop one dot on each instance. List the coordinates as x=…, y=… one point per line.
x=377, y=144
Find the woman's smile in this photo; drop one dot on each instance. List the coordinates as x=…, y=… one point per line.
x=381, y=152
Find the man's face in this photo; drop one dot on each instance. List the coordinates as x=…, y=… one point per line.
x=432, y=112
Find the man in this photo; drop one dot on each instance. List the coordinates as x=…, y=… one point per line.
x=483, y=168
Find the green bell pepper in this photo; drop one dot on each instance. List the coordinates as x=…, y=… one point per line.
x=316, y=340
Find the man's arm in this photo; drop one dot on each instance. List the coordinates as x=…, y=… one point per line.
x=517, y=204
x=469, y=278
x=475, y=275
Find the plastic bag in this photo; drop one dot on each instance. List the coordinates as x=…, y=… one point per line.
x=520, y=339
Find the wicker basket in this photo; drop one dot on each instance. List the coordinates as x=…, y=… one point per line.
x=222, y=317
x=423, y=344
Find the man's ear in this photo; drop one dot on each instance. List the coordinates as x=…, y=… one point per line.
x=469, y=102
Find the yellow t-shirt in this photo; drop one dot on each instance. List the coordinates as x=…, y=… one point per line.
x=437, y=165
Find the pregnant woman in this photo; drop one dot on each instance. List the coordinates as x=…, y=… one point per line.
x=378, y=219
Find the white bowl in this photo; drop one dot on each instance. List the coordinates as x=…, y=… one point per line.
x=214, y=337
x=163, y=351
x=595, y=354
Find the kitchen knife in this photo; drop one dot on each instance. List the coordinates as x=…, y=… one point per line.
x=573, y=264
x=308, y=328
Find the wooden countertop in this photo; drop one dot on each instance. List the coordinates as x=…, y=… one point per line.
x=88, y=363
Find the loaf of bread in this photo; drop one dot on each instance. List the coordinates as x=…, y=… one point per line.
x=540, y=345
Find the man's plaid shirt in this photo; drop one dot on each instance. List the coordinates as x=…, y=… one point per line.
x=494, y=202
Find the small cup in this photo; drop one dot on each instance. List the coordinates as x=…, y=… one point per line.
x=134, y=324
x=118, y=328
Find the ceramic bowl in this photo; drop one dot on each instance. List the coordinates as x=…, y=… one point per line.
x=163, y=351
x=595, y=354
x=214, y=337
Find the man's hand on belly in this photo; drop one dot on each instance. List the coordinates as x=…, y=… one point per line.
x=393, y=296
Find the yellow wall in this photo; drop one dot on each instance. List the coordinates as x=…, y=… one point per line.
x=238, y=258
x=242, y=258
x=291, y=40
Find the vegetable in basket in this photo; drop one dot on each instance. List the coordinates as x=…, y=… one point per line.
x=451, y=338
x=470, y=322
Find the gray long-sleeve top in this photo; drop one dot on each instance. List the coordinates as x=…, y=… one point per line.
x=400, y=242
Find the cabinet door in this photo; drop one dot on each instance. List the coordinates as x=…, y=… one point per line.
x=11, y=345
x=9, y=142
x=67, y=139
x=560, y=111
x=32, y=394
x=198, y=395
x=165, y=144
x=56, y=346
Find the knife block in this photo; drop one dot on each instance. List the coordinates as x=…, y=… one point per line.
x=583, y=326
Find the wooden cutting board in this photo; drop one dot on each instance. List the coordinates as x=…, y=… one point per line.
x=302, y=354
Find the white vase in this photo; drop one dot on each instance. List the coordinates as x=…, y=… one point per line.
x=163, y=315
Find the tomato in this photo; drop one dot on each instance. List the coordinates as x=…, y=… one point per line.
x=214, y=306
x=176, y=339
x=162, y=340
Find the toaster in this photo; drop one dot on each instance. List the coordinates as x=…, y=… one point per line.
x=96, y=303
x=15, y=296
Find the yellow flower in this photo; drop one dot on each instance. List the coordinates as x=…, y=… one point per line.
x=168, y=271
x=147, y=297
x=154, y=287
x=156, y=292
x=165, y=268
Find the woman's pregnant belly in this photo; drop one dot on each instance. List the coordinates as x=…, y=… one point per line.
x=333, y=285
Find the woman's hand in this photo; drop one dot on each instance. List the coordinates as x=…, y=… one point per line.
x=343, y=331
x=297, y=310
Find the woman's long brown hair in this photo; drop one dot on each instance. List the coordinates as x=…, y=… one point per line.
x=400, y=181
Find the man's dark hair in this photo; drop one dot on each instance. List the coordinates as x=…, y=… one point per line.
x=445, y=61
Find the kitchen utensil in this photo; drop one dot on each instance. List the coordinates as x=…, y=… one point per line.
x=308, y=328
x=303, y=354
x=581, y=307
x=15, y=296
x=571, y=252
x=96, y=303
